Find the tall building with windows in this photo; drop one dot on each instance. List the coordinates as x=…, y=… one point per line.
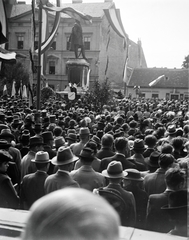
x=104, y=48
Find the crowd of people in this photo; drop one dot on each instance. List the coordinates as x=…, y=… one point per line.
x=134, y=154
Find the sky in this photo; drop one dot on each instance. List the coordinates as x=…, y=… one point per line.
x=161, y=25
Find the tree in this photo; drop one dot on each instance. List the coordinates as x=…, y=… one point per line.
x=47, y=93
x=185, y=63
x=101, y=94
x=16, y=72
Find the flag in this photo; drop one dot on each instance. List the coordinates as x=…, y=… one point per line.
x=125, y=70
x=107, y=63
x=113, y=16
x=24, y=93
x=5, y=90
x=154, y=82
x=8, y=56
x=13, y=91
x=30, y=93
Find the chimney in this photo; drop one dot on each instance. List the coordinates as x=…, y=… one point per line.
x=77, y=1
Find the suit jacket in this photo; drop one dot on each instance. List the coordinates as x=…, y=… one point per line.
x=105, y=152
x=8, y=195
x=130, y=212
x=95, y=164
x=155, y=182
x=60, y=179
x=32, y=188
x=117, y=157
x=157, y=219
x=87, y=178
x=26, y=165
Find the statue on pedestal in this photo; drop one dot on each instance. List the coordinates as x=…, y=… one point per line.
x=76, y=40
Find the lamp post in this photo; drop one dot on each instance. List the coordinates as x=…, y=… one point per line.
x=39, y=56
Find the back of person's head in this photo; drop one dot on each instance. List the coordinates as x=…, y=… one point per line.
x=107, y=140
x=57, y=131
x=166, y=160
x=177, y=143
x=175, y=178
x=70, y=214
x=121, y=143
x=150, y=140
x=167, y=148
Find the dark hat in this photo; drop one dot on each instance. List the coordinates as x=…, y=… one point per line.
x=133, y=174
x=114, y=170
x=36, y=141
x=72, y=137
x=87, y=153
x=59, y=141
x=139, y=144
x=41, y=157
x=4, y=144
x=52, y=118
x=71, y=131
x=47, y=136
x=171, y=129
x=64, y=156
x=5, y=156
x=152, y=161
x=96, y=140
x=16, y=122
x=6, y=133
x=38, y=126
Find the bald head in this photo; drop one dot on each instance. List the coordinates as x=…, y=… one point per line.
x=70, y=214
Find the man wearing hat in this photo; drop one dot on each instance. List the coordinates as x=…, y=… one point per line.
x=133, y=182
x=106, y=150
x=155, y=182
x=64, y=160
x=115, y=174
x=169, y=134
x=84, y=135
x=36, y=144
x=158, y=220
x=9, y=197
x=15, y=169
x=122, y=152
x=85, y=176
x=70, y=138
x=32, y=185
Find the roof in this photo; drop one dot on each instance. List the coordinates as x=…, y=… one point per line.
x=174, y=78
x=95, y=10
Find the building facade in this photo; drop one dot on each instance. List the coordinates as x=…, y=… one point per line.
x=104, y=48
x=173, y=85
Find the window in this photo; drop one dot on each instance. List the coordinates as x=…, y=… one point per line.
x=52, y=67
x=87, y=43
x=68, y=44
x=53, y=45
x=36, y=42
x=20, y=42
x=155, y=95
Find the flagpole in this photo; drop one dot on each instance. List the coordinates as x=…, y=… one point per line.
x=39, y=56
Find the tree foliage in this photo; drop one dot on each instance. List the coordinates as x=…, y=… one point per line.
x=47, y=93
x=185, y=63
x=101, y=94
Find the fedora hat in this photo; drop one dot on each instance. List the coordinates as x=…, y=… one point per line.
x=133, y=174
x=114, y=170
x=38, y=126
x=84, y=131
x=153, y=159
x=4, y=144
x=171, y=129
x=64, y=156
x=16, y=122
x=96, y=140
x=47, y=135
x=36, y=141
x=59, y=142
x=72, y=136
x=139, y=144
x=6, y=133
x=41, y=157
x=87, y=153
x=5, y=156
